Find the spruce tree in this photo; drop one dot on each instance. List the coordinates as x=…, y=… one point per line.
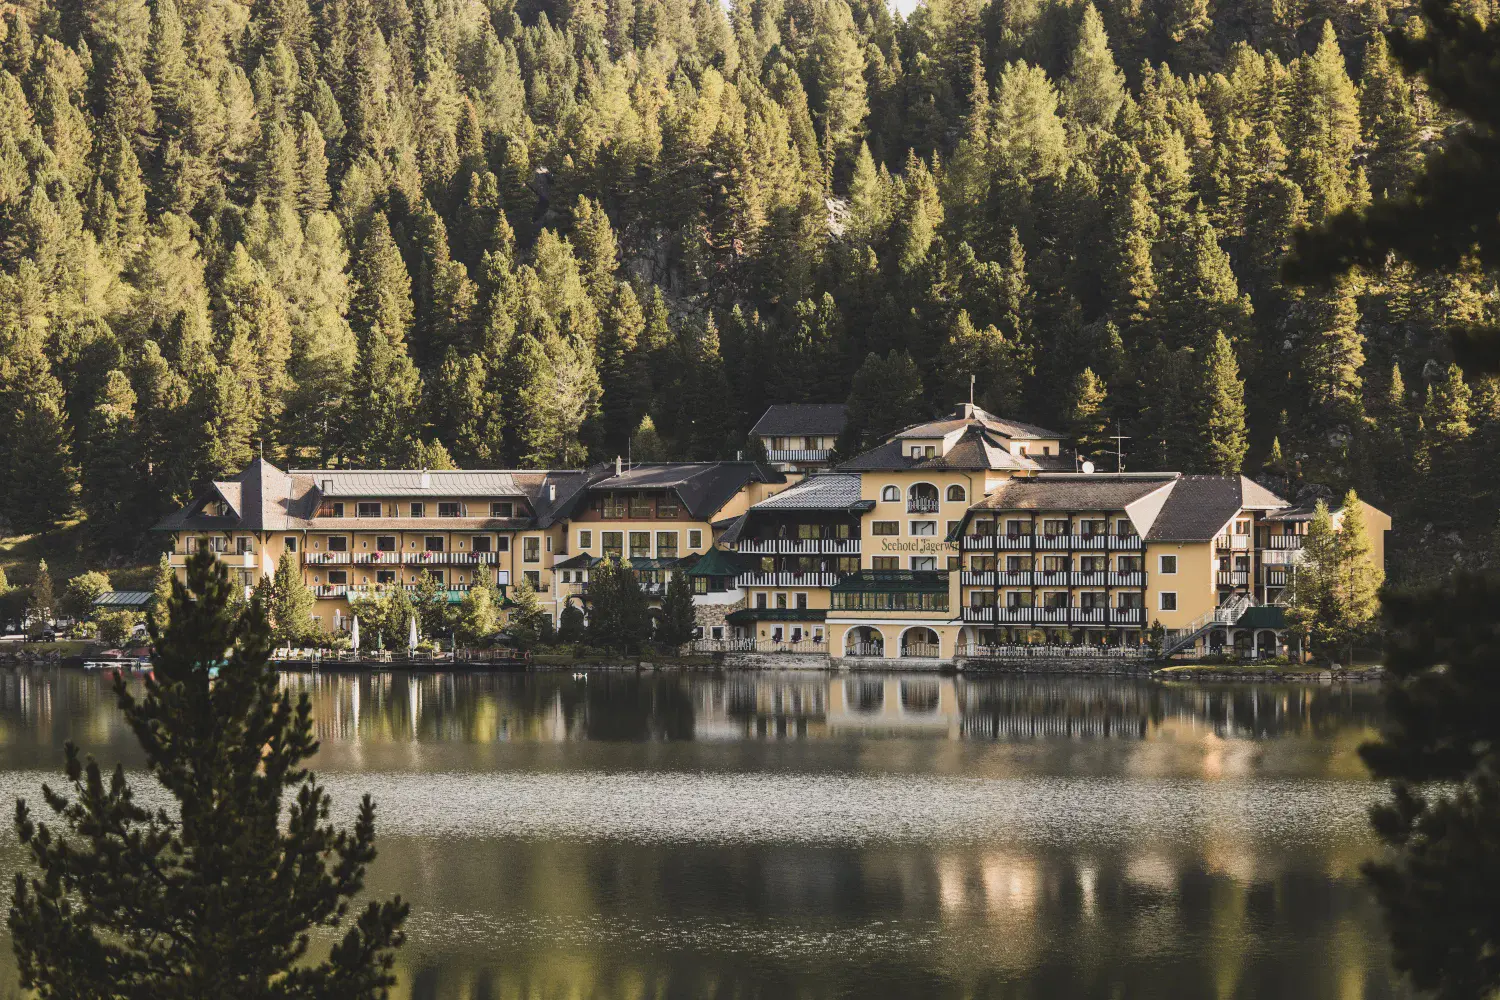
x=886, y=395
x=677, y=619
x=1087, y=414
x=291, y=604
x=214, y=896
x=1222, y=411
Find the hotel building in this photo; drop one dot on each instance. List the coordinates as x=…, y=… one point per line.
x=967, y=536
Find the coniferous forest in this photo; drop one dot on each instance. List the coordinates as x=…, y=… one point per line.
x=532, y=233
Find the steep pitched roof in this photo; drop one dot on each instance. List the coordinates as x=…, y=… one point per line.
x=821, y=419
x=968, y=414
x=261, y=498
x=830, y=491
x=974, y=451
x=703, y=487
x=1075, y=491
x=413, y=482
x=1199, y=507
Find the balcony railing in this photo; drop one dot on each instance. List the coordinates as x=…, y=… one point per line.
x=471, y=558
x=1234, y=578
x=1084, y=543
x=1054, y=616
x=424, y=558
x=787, y=579
x=991, y=543
x=797, y=455
x=922, y=505
x=330, y=590
x=1233, y=542
x=391, y=558
x=813, y=647
x=1124, y=542
x=922, y=650
x=1049, y=651
x=1277, y=576
x=799, y=546
x=1285, y=541
x=327, y=558
x=1089, y=578
x=1127, y=579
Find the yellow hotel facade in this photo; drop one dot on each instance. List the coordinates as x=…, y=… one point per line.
x=965, y=537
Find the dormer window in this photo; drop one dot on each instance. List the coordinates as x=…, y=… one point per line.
x=450, y=509
x=502, y=509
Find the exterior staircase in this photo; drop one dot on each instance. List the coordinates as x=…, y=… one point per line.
x=1224, y=615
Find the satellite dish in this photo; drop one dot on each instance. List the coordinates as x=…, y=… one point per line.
x=1088, y=467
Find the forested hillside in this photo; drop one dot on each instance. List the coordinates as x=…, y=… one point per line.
x=409, y=232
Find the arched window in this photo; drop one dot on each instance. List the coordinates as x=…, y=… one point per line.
x=890, y=494
x=956, y=494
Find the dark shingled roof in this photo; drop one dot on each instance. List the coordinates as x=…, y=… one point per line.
x=745, y=616
x=893, y=581
x=975, y=451
x=1066, y=491
x=703, y=487
x=820, y=419
x=1199, y=506
x=717, y=562
x=829, y=491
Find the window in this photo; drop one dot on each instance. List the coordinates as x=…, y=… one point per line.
x=1093, y=527
x=1016, y=528
x=930, y=450
x=984, y=527
x=367, y=508
x=585, y=540
x=291, y=543
x=890, y=494
x=1242, y=527
x=716, y=631
x=981, y=598
x=1093, y=600
x=1018, y=564
x=956, y=494
x=418, y=510
x=916, y=451
x=955, y=563
x=385, y=543
x=666, y=545
x=924, y=529
x=450, y=509
x=336, y=543
x=1132, y=600
x=385, y=576
x=801, y=602
x=695, y=539
x=982, y=564
x=433, y=543
x=1056, y=564
x=1168, y=600
x=760, y=600
x=502, y=509
x=613, y=542
x=700, y=584
x=1019, y=599
x=1168, y=564
x=952, y=527
x=1127, y=564
x=1123, y=528
x=480, y=543
x=776, y=633
x=1055, y=599
x=244, y=544
x=640, y=545
x=780, y=602
x=335, y=510
x=1052, y=527
x=219, y=543
x=531, y=548
x=885, y=562
x=924, y=564
x=338, y=576
x=1093, y=564
x=885, y=528
x=502, y=543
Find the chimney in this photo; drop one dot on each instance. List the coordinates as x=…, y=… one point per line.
x=618, y=469
x=552, y=493
x=426, y=479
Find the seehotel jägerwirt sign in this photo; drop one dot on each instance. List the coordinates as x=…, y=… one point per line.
x=918, y=545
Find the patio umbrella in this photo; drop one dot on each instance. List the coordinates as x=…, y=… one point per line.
x=411, y=638
x=354, y=634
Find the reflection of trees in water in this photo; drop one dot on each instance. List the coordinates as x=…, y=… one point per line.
x=483, y=707
x=1031, y=706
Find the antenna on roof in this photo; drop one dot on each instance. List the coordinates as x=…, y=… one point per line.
x=1119, y=439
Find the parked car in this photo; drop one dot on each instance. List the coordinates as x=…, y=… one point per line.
x=46, y=635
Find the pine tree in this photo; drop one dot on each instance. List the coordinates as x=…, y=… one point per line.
x=1359, y=578
x=169, y=914
x=39, y=487
x=291, y=604
x=1095, y=87
x=41, y=605
x=886, y=395
x=159, y=611
x=1314, y=609
x=1087, y=414
x=479, y=614
x=1222, y=407
x=677, y=619
x=1448, y=409
x=1324, y=129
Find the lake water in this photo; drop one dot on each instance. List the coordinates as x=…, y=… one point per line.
x=814, y=835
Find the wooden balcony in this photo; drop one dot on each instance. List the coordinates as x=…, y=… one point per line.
x=1284, y=541
x=788, y=579
x=797, y=455
x=1234, y=577
x=799, y=546
x=327, y=558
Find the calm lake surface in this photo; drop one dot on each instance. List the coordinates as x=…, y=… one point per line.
x=814, y=835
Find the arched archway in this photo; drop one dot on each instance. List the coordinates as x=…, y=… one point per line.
x=1267, y=643
x=922, y=498
x=920, y=641
x=864, y=640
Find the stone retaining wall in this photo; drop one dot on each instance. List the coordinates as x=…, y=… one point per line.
x=1057, y=665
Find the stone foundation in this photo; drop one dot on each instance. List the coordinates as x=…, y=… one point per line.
x=1057, y=665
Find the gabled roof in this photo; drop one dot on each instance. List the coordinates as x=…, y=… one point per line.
x=1199, y=506
x=969, y=414
x=123, y=599
x=262, y=497
x=717, y=562
x=828, y=491
x=702, y=487
x=821, y=419
x=975, y=451
x=338, y=483
x=1074, y=491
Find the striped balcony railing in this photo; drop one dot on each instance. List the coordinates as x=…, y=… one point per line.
x=327, y=558
x=1136, y=579
x=787, y=579
x=1092, y=578
x=1124, y=542
x=1277, y=576
x=1233, y=542
x=799, y=546
x=1088, y=616
x=424, y=558
x=797, y=455
x=990, y=578
x=1127, y=616
x=1284, y=541
x=377, y=558
x=330, y=590
x=1234, y=578
x=471, y=558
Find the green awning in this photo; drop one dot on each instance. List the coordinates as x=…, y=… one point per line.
x=888, y=581
x=1263, y=616
x=583, y=561
x=746, y=616
x=717, y=562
